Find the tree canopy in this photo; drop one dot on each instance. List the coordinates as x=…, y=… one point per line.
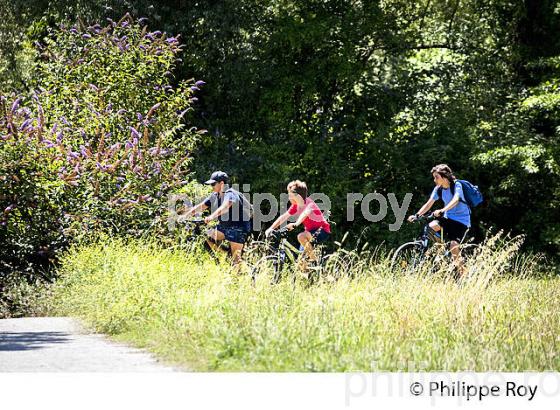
x=357, y=96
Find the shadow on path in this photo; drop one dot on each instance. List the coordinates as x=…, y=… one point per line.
x=17, y=341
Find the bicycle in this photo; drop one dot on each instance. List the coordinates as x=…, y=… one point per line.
x=281, y=256
x=192, y=234
x=411, y=256
x=276, y=250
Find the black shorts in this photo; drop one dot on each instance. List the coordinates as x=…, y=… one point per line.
x=452, y=230
x=321, y=237
x=235, y=233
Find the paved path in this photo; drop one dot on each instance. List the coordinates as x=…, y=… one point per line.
x=58, y=344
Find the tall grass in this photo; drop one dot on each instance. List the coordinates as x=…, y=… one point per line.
x=190, y=311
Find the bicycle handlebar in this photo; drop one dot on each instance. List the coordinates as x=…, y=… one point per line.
x=426, y=218
x=279, y=233
x=194, y=221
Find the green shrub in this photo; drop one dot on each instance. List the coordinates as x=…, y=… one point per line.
x=98, y=147
x=22, y=296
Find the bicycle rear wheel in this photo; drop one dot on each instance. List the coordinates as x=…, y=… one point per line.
x=255, y=251
x=335, y=266
x=408, y=257
x=469, y=250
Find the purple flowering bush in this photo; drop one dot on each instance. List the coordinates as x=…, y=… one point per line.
x=98, y=146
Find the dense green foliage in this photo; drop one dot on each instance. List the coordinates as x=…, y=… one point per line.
x=357, y=96
x=351, y=96
x=190, y=311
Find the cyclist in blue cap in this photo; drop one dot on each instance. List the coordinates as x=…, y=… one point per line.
x=233, y=212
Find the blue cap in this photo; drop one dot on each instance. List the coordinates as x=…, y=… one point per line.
x=217, y=176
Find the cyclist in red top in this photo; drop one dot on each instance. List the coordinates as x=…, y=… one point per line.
x=317, y=229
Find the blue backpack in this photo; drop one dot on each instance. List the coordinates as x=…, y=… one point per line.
x=473, y=196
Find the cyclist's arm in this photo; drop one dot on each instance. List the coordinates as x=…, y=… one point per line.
x=195, y=209
x=426, y=207
x=452, y=204
x=221, y=210
x=457, y=197
x=303, y=216
x=280, y=220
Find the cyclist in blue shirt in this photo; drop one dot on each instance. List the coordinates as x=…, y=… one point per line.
x=454, y=219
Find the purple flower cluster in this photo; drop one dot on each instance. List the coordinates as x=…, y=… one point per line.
x=106, y=149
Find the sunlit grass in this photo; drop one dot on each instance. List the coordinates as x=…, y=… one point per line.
x=190, y=311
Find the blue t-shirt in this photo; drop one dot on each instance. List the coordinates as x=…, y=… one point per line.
x=238, y=214
x=460, y=212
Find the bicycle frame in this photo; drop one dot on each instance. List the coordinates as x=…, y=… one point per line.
x=279, y=252
x=414, y=253
x=279, y=244
x=427, y=232
x=195, y=230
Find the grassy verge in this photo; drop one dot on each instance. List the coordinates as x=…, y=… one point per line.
x=190, y=311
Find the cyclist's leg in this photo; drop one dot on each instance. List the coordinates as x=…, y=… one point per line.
x=457, y=258
x=455, y=250
x=236, y=252
x=436, y=227
x=305, y=239
x=455, y=231
x=214, y=238
x=237, y=237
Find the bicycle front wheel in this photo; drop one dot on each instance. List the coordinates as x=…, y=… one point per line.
x=408, y=257
x=268, y=267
